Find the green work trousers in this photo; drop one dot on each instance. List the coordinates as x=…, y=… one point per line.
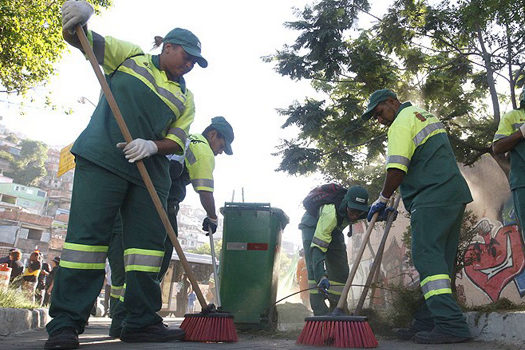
x=336, y=262
x=98, y=196
x=173, y=209
x=118, y=278
x=518, y=197
x=435, y=236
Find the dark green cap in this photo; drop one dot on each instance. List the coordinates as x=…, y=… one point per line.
x=225, y=129
x=189, y=42
x=356, y=198
x=376, y=98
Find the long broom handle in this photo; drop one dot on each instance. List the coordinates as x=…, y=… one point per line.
x=377, y=260
x=142, y=168
x=215, y=274
x=344, y=294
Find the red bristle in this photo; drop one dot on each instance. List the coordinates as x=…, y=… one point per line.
x=204, y=328
x=341, y=334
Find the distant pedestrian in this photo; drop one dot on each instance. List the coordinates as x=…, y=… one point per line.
x=42, y=281
x=13, y=261
x=30, y=275
x=50, y=280
x=191, y=302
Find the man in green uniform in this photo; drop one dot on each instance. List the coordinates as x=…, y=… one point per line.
x=325, y=249
x=158, y=109
x=421, y=161
x=509, y=138
x=196, y=167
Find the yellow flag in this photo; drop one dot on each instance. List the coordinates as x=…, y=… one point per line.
x=67, y=160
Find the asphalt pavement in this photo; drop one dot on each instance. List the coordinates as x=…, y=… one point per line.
x=96, y=338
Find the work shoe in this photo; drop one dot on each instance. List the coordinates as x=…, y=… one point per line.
x=436, y=337
x=115, y=332
x=157, y=333
x=408, y=333
x=64, y=338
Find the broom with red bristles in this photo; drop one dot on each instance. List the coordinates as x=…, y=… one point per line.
x=223, y=329
x=338, y=329
x=209, y=325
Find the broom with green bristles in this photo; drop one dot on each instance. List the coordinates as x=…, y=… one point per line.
x=208, y=325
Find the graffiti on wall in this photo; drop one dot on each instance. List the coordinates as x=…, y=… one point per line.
x=496, y=257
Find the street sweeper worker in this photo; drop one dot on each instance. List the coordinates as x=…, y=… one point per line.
x=509, y=138
x=158, y=109
x=420, y=160
x=325, y=249
x=195, y=167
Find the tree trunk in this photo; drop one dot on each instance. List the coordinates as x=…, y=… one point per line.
x=490, y=76
x=512, y=82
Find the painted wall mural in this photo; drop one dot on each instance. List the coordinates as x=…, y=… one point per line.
x=497, y=257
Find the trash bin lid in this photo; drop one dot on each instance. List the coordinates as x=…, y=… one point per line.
x=236, y=206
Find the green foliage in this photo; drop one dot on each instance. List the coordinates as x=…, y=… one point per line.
x=12, y=298
x=206, y=249
x=30, y=41
x=28, y=168
x=445, y=58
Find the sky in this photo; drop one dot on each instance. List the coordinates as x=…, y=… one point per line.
x=237, y=84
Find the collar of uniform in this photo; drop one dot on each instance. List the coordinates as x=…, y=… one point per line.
x=156, y=61
x=403, y=106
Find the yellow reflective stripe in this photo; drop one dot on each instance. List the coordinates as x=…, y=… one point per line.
x=116, y=291
x=144, y=260
x=427, y=131
x=145, y=75
x=83, y=266
x=437, y=292
x=434, y=278
x=85, y=247
x=436, y=285
x=123, y=292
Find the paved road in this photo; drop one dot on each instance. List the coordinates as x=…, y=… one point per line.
x=96, y=338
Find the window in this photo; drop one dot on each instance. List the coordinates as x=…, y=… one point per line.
x=41, y=194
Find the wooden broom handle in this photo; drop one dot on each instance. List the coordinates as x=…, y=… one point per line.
x=377, y=260
x=142, y=168
x=344, y=294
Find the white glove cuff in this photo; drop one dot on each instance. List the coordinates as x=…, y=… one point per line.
x=215, y=221
x=522, y=129
x=383, y=199
x=153, y=147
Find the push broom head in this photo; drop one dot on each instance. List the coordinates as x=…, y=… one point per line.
x=338, y=331
x=212, y=327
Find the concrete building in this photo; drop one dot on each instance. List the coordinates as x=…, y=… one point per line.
x=32, y=199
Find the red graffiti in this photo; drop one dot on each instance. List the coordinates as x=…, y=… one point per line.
x=493, y=264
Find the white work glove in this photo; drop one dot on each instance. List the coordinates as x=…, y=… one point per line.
x=75, y=13
x=522, y=129
x=138, y=149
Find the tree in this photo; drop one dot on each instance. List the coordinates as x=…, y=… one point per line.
x=205, y=248
x=447, y=58
x=28, y=168
x=30, y=41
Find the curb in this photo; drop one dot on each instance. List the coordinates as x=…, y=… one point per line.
x=14, y=321
x=503, y=327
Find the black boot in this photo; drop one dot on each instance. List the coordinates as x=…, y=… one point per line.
x=437, y=337
x=157, y=333
x=65, y=338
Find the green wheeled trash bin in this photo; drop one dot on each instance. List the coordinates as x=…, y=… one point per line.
x=249, y=268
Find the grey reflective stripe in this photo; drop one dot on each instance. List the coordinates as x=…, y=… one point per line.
x=435, y=285
x=181, y=134
x=426, y=131
x=99, y=47
x=202, y=183
x=336, y=289
x=320, y=243
x=131, y=64
x=117, y=292
x=142, y=260
x=499, y=137
x=516, y=126
x=190, y=156
x=78, y=256
x=399, y=160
